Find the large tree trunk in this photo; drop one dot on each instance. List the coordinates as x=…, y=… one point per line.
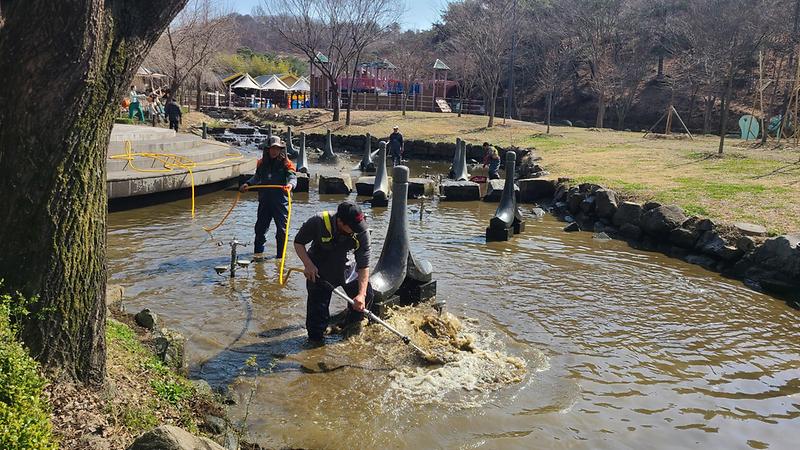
x=601, y=110
x=549, y=108
x=723, y=121
x=492, y=108
x=709, y=100
x=53, y=164
x=337, y=108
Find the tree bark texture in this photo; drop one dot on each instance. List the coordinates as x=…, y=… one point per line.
x=601, y=109
x=726, y=97
x=335, y=94
x=52, y=163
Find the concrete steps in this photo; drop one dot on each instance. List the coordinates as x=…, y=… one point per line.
x=164, y=145
x=121, y=133
x=124, y=181
x=204, y=151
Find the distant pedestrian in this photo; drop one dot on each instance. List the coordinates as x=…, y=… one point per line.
x=174, y=114
x=135, y=107
x=396, y=146
x=491, y=158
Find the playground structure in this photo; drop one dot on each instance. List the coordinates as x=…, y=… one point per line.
x=377, y=87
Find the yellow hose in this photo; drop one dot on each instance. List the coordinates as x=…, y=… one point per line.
x=171, y=162
x=281, y=278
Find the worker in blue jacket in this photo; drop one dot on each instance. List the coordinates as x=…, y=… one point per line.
x=274, y=169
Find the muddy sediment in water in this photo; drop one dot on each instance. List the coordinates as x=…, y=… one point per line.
x=473, y=362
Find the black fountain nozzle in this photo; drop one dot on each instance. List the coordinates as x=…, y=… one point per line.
x=398, y=276
x=380, y=189
x=366, y=163
x=439, y=305
x=507, y=218
x=302, y=158
x=328, y=154
x=459, y=171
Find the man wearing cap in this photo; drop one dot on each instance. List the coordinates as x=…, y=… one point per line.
x=396, y=145
x=332, y=237
x=274, y=169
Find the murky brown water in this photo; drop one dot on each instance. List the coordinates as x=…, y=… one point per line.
x=579, y=343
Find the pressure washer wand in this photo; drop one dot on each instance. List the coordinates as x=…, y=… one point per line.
x=373, y=317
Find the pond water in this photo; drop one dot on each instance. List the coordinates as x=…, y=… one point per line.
x=579, y=343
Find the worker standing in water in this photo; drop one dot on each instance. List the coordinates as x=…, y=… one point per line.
x=332, y=237
x=274, y=169
x=396, y=146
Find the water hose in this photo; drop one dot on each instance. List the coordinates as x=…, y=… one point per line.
x=281, y=279
x=171, y=162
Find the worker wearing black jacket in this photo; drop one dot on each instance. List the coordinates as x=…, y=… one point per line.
x=332, y=238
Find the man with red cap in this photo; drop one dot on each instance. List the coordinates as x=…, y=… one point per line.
x=332, y=238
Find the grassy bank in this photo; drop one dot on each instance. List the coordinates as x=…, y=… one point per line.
x=141, y=392
x=746, y=184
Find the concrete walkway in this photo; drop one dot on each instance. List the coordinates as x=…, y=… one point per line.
x=213, y=161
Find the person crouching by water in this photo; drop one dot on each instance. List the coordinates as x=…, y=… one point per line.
x=274, y=169
x=332, y=238
x=491, y=158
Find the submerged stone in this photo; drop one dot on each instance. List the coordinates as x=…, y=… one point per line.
x=338, y=184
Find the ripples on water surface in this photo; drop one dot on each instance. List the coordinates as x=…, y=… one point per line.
x=622, y=348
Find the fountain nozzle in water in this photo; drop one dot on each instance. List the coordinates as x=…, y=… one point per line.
x=439, y=306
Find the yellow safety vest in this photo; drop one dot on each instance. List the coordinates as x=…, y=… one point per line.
x=326, y=217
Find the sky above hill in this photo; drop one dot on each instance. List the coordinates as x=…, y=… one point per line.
x=419, y=14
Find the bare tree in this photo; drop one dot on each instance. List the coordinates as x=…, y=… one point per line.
x=53, y=164
x=337, y=29
x=725, y=42
x=483, y=27
x=412, y=50
x=190, y=44
x=369, y=21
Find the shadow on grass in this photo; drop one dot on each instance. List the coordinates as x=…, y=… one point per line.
x=783, y=170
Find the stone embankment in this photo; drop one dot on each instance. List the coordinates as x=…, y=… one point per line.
x=738, y=250
x=413, y=149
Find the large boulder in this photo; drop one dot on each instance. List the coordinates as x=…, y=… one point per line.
x=628, y=212
x=168, y=437
x=630, y=231
x=169, y=347
x=661, y=220
x=605, y=203
x=146, y=319
x=560, y=194
x=713, y=244
x=587, y=205
x=684, y=238
x=775, y=265
x=574, y=200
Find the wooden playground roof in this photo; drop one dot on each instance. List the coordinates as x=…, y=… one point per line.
x=440, y=65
